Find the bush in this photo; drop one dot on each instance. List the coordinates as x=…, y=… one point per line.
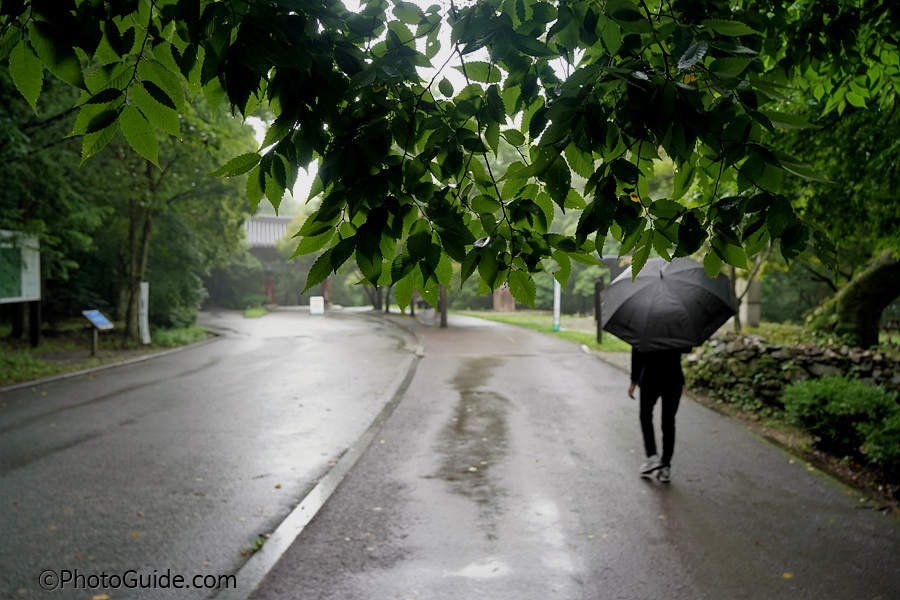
x=842, y=412
x=882, y=446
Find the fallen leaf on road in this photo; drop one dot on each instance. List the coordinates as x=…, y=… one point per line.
x=140, y=514
x=100, y=597
x=68, y=509
x=278, y=487
x=788, y=575
x=52, y=528
x=135, y=534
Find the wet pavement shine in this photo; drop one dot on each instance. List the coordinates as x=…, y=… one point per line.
x=509, y=470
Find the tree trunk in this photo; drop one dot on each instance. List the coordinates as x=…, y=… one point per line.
x=860, y=303
x=140, y=228
x=443, y=302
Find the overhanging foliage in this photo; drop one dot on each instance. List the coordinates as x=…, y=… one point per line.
x=405, y=155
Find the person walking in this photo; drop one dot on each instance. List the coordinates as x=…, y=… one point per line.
x=658, y=374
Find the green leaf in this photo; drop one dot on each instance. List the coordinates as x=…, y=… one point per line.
x=419, y=241
x=584, y=259
x=342, y=251
x=543, y=12
x=429, y=293
x=94, y=142
x=403, y=291
x=481, y=71
x=160, y=116
x=640, y=256
x=729, y=28
x=611, y=35
x=522, y=287
x=308, y=245
x=786, y=120
x=485, y=204
x=779, y=216
x=8, y=42
x=158, y=94
x=105, y=96
x=444, y=270
x=694, y=54
x=488, y=267
x=514, y=137
x=408, y=13
x=446, y=87
x=58, y=57
x=27, y=73
x=214, y=94
x=101, y=121
x=238, y=165
x=139, y=134
x=468, y=265
x=254, y=188
x=712, y=264
x=168, y=82
x=728, y=68
x=320, y=271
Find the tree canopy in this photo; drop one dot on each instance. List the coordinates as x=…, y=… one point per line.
x=403, y=108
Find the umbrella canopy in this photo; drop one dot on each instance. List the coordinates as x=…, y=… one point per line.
x=669, y=305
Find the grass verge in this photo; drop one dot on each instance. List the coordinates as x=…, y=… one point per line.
x=252, y=312
x=67, y=348
x=573, y=329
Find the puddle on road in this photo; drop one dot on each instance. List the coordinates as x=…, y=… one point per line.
x=475, y=439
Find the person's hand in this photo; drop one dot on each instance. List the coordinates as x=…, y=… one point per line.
x=631, y=391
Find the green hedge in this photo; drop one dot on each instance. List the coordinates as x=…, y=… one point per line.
x=850, y=418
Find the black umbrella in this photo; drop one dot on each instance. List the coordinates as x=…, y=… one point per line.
x=669, y=305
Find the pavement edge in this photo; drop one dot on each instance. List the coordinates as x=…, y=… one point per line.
x=251, y=574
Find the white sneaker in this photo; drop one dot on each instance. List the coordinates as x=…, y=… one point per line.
x=653, y=463
x=664, y=475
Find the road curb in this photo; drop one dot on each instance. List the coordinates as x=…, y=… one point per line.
x=251, y=575
x=103, y=367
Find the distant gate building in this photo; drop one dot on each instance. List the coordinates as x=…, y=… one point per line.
x=263, y=231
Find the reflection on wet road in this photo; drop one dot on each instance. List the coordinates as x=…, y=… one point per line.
x=509, y=471
x=475, y=441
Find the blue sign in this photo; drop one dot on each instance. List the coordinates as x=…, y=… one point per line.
x=97, y=319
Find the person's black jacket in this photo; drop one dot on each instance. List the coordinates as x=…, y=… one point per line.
x=659, y=370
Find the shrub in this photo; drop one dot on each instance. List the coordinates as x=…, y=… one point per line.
x=882, y=446
x=841, y=412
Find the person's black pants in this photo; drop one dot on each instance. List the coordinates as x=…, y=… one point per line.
x=670, y=400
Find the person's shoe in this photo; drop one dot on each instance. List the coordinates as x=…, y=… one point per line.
x=653, y=463
x=664, y=475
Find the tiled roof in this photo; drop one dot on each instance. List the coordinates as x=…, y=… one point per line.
x=263, y=230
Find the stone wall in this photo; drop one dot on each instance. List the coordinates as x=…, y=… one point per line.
x=745, y=365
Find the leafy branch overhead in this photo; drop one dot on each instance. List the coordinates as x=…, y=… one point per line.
x=405, y=108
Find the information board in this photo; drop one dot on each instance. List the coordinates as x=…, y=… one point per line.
x=20, y=267
x=97, y=319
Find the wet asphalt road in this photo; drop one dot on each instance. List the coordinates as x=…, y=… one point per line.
x=177, y=464
x=509, y=471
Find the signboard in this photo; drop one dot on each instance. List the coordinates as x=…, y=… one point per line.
x=97, y=319
x=317, y=305
x=20, y=268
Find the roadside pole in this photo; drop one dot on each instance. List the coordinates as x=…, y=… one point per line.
x=557, y=291
x=598, y=287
